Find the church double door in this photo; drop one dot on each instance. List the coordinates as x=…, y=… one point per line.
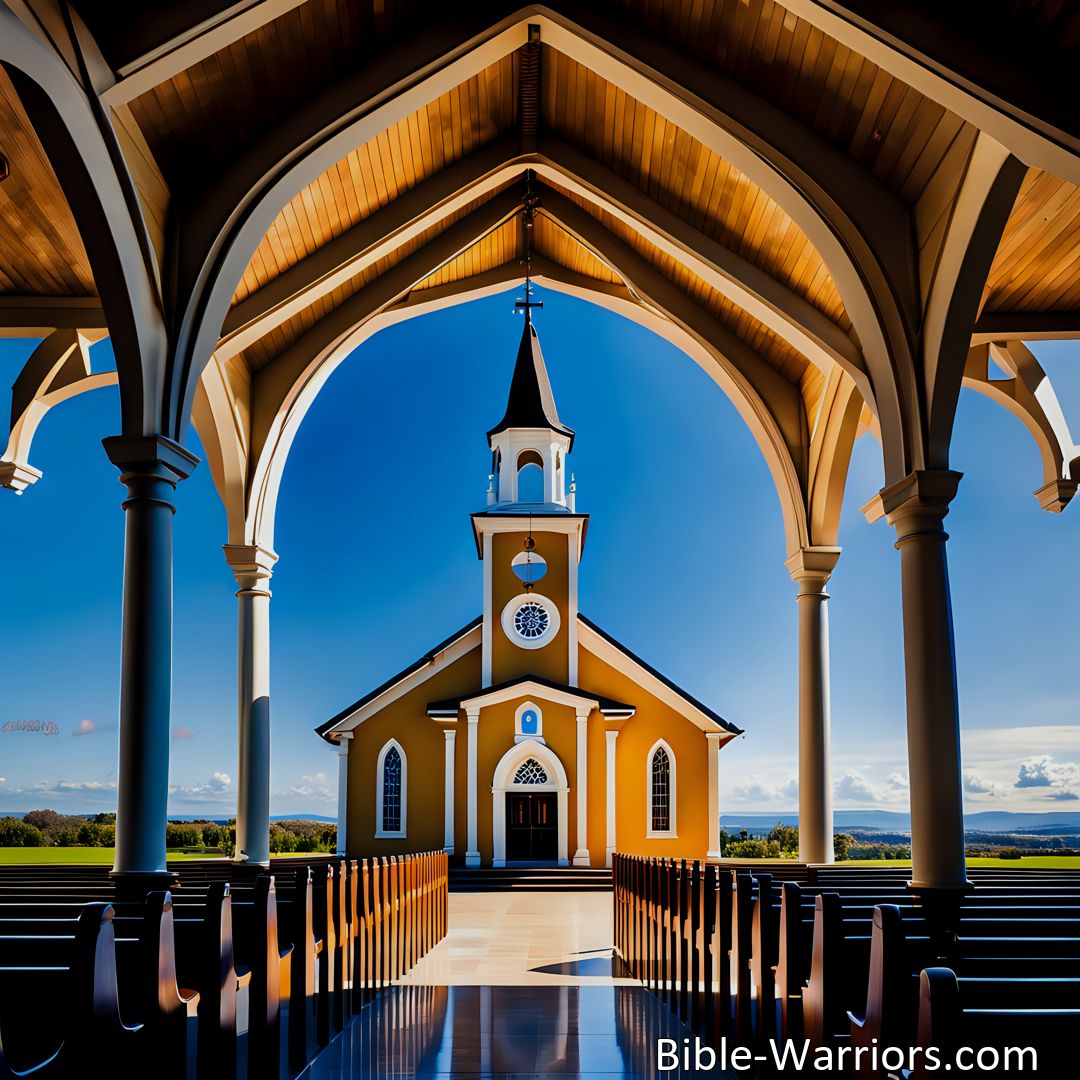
x=531, y=827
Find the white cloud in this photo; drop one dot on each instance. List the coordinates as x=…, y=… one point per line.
x=976, y=784
x=209, y=791
x=852, y=787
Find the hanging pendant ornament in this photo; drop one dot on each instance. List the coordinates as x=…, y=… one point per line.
x=529, y=204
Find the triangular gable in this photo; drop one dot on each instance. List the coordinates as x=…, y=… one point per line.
x=603, y=646
x=416, y=674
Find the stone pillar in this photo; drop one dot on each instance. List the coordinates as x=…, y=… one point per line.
x=712, y=738
x=811, y=569
x=472, y=852
x=344, y=741
x=450, y=735
x=609, y=839
x=581, y=770
x=916, y=508
x=253, y=567
x=150, y=468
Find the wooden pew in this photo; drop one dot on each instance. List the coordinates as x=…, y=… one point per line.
x=60, y=1017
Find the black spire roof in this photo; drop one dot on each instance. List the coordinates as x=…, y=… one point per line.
x=531, y=403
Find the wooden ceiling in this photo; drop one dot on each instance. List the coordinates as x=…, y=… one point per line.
x=195, y=123
x=373, y=175
x=1037, y=266
x=199, y=119
x=41, y=253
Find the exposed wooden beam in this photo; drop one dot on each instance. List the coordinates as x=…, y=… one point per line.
x=1033, y=141
x=38, y=316
x=370, y=240
x=783, y=311
x=1026, y=326
x=160, y=64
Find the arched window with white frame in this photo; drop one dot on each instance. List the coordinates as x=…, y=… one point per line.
x=391, y=783
x=660, y=785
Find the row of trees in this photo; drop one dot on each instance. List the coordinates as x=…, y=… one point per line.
x=48, y=828
x=782, y=842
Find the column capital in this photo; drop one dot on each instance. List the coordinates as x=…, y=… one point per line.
x=811, y=567
x=472, y=715
x=250, y=564
x=583, y=713
x=918, y=503
x=1054, y=496
x=714, y=737
x=18, y=476
x=152, y=456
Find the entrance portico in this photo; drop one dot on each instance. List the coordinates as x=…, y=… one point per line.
x=528, y=779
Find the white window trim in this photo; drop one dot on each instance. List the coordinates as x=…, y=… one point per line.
x=650, y=833
x=507, y=620
x=503, y=781
x=380, y=832
x=519, y=735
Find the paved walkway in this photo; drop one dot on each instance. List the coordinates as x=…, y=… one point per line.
x=522, y=986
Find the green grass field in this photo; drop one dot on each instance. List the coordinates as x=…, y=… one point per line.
x=72, y=856
x=90, y=856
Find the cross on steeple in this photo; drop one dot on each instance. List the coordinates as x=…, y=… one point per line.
x=528, y=303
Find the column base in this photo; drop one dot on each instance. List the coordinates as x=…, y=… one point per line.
x=926, y=886
x=136, y=884
x=260, y=863
x=608, y=853
x=708, y=855
x=582, y=858
x=448, y=849
x=472, y=858
x=498, y=864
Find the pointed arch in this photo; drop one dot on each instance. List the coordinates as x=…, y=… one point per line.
x=661, y=792
x=391, y=792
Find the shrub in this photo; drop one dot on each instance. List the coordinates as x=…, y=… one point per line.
x=16, y=833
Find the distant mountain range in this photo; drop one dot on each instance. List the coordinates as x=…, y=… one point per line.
x=998, y=821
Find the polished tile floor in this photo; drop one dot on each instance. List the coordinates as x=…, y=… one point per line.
x=522, y=986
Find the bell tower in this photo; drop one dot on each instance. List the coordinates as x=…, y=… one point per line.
x=530, y=536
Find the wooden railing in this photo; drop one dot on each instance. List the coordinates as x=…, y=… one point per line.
x=837, y=958
x=298, y=952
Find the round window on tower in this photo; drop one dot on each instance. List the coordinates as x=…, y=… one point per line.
x=530, y=621
x=529, y=567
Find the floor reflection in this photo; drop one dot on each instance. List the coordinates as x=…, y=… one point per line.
x=504, y=1031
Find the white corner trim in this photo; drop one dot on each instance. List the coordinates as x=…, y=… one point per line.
x=380, y=832
x=673, y=790
x=450, y=655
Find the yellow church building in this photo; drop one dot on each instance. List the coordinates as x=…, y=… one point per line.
x=530, y=736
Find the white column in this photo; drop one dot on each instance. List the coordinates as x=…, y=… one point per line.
x=342, y=792
x=487, y=627
x=253, y=566
x=810, y=569
x=472, y=853
x=916, y=508
x=609, y=839
x=581, y=769
x=713, y=740
x=450, y=737
x=572, y=610
x=150, y=468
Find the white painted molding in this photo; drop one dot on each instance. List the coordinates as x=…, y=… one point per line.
x=450, y=745
x=472, y=852
x=611, y=737
x=488, y=621
x=380, y=832
x=581, y=768
x=519, y=712
x=713, y=741
x=342, y=751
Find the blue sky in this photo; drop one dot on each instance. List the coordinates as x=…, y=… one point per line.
x=684, y=564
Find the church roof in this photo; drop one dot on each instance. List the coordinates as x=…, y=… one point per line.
x=645, y=666
x=531, y=403
x=594, y=639
x=416, y=665
x=450, y=706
